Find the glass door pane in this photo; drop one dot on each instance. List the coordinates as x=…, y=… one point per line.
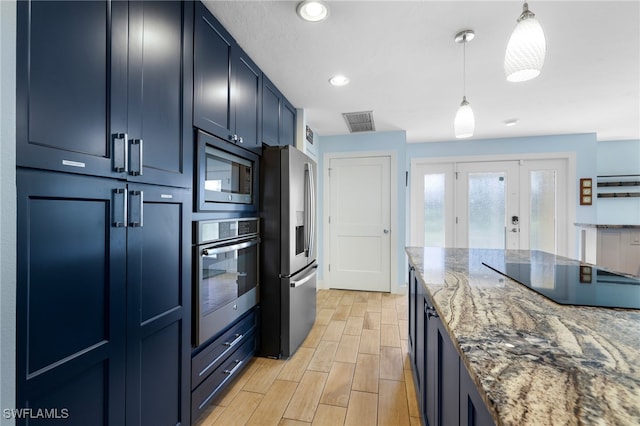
x=488, y=213
x=432, y=215
x=486, y=210
x=434, y=210
x=543, y=215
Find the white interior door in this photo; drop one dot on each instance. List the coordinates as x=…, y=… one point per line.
x=359, y=223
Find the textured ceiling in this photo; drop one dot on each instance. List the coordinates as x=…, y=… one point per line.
x=405, y=66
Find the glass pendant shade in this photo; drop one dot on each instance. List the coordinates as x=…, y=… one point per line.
x=526, y=49
x=465, y=122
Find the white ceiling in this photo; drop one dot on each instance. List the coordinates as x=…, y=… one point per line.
x=405, y=66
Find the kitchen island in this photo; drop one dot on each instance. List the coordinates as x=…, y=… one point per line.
x=529, y=360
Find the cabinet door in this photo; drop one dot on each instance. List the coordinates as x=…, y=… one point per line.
x=430, y=351
x=448, y=378
x=420, y=335
x=473, y=411
x=287, y=123
x=157, y=137
x=71, y=296
x=412, y=313
x=212, y=75
x=158, y=306
x=270, y=113
x=71, y=86
x=246, y=100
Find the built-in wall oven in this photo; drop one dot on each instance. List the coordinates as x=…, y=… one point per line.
x=227, y=176
x=226, y=274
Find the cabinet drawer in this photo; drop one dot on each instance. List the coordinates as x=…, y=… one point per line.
x=222, y=375
x=206, y=361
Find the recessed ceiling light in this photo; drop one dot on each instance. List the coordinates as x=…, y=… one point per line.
x=339, y=80
x=313, y=10
x=511, y=122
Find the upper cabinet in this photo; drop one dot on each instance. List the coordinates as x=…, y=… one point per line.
x=278, y=116
x=101, y=89
x=227, y=85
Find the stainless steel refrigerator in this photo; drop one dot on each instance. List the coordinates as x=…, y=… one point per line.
x=288, y=249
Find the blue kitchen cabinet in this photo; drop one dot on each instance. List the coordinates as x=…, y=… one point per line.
x=287, y=123
x=412, y=287
x=278, y=116
x=103, y=282
x=101, y=89
x=447, y=377
x=103, y=299
x=271, y=97
x=71, y=310
x=158, y=303
x=227, y=84
x=473, y=410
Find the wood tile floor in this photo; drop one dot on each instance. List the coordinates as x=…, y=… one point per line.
x=353, y=369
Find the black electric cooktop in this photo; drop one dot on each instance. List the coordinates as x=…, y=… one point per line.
x=576, y=284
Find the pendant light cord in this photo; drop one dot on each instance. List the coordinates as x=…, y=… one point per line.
x=464, y=67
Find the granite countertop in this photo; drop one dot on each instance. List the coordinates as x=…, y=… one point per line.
x=534, y=362
x=604, y=226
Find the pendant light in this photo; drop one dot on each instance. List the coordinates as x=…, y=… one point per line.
x=464, y=122
x=526, y=49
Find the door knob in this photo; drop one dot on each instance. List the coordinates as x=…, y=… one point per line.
x=386, y=231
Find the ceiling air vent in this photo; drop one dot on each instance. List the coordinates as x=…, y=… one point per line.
x=359, y=121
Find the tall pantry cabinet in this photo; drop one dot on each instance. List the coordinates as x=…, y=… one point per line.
x=104, y=157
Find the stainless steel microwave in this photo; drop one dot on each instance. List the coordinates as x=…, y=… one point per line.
x=227, y=177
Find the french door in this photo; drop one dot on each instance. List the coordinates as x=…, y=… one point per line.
x=494, y=204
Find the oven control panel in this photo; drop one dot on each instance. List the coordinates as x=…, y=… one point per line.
x=209, y=231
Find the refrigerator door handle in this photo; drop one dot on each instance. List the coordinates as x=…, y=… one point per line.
x=310, y=214
x=312, y=233
x=304, y=280
x=307, y=208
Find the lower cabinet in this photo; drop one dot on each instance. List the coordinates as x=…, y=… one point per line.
x=473, y=411
x=219, y=362
x=103, y=300
x=446, y=393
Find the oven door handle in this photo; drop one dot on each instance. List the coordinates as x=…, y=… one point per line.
x=222, y=249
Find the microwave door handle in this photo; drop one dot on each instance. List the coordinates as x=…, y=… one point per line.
x=216, y=250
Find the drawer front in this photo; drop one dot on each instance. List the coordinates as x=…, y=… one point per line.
x=205, y=362
x=221, y=376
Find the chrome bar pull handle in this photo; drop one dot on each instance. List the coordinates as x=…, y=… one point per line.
x=120, y=152
x=138, y=170
x=123, y=222
x=233, y=370
x=238, y=337
x=140, y=222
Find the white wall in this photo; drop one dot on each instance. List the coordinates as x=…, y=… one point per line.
x=369, y=142
x=7, y=206
x=619, y=158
